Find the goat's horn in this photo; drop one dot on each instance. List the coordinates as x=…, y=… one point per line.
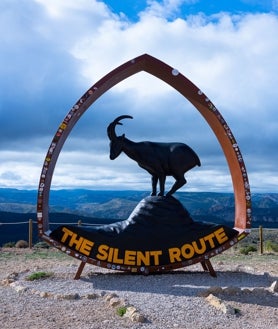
x=111, y=128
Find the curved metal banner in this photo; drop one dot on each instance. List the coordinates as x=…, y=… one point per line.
x=213, y=240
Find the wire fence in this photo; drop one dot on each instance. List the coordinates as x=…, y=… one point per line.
x=79, y=222
x=31, y=222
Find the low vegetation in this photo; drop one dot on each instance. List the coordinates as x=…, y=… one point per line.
x=121, y=311
x=271, y=246
x=246, y=250
x=248, y=247
x=10, y=244
x=38, y=276
x=250, y=244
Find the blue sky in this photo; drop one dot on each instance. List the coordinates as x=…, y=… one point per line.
x=52, y=51
x=132, y=9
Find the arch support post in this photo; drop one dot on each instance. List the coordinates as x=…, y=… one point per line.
x=79, y=270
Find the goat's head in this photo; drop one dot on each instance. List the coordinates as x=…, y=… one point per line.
x=116, y=142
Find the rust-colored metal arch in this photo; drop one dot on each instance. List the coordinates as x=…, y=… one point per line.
x=201, y=102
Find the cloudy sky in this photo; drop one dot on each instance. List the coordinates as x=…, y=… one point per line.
x=52, y=51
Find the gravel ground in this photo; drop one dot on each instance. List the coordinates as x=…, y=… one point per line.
x=174, y=300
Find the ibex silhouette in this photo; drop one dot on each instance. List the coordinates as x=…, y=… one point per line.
x=159, y=159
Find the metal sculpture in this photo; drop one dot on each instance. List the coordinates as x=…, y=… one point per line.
x=158, y=159
x=79, y=246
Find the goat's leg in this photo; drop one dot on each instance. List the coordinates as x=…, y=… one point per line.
x=180, y=181
x=154, y=184
x=162, y=180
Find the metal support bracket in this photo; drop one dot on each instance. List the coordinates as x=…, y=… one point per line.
x=207, y=266
x=79, y=271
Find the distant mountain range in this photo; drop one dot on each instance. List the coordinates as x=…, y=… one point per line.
x=107, y=206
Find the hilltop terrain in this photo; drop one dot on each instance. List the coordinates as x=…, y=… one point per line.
x=89, y=206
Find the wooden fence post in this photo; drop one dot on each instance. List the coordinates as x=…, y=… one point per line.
x=30, y=233
x=261, y=240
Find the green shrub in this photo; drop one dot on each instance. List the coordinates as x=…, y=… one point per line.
x=121, y=311
x=271, y=246
x=41, y=244
x=247, y=249
x=38, y=276
x=9, y=245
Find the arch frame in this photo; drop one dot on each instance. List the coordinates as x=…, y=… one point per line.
x=170, y=75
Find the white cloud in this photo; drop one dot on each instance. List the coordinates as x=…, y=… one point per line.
x=20, y=169
x=164, y=9
x=54, y=50
x=231, y=58
x=71, y=9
